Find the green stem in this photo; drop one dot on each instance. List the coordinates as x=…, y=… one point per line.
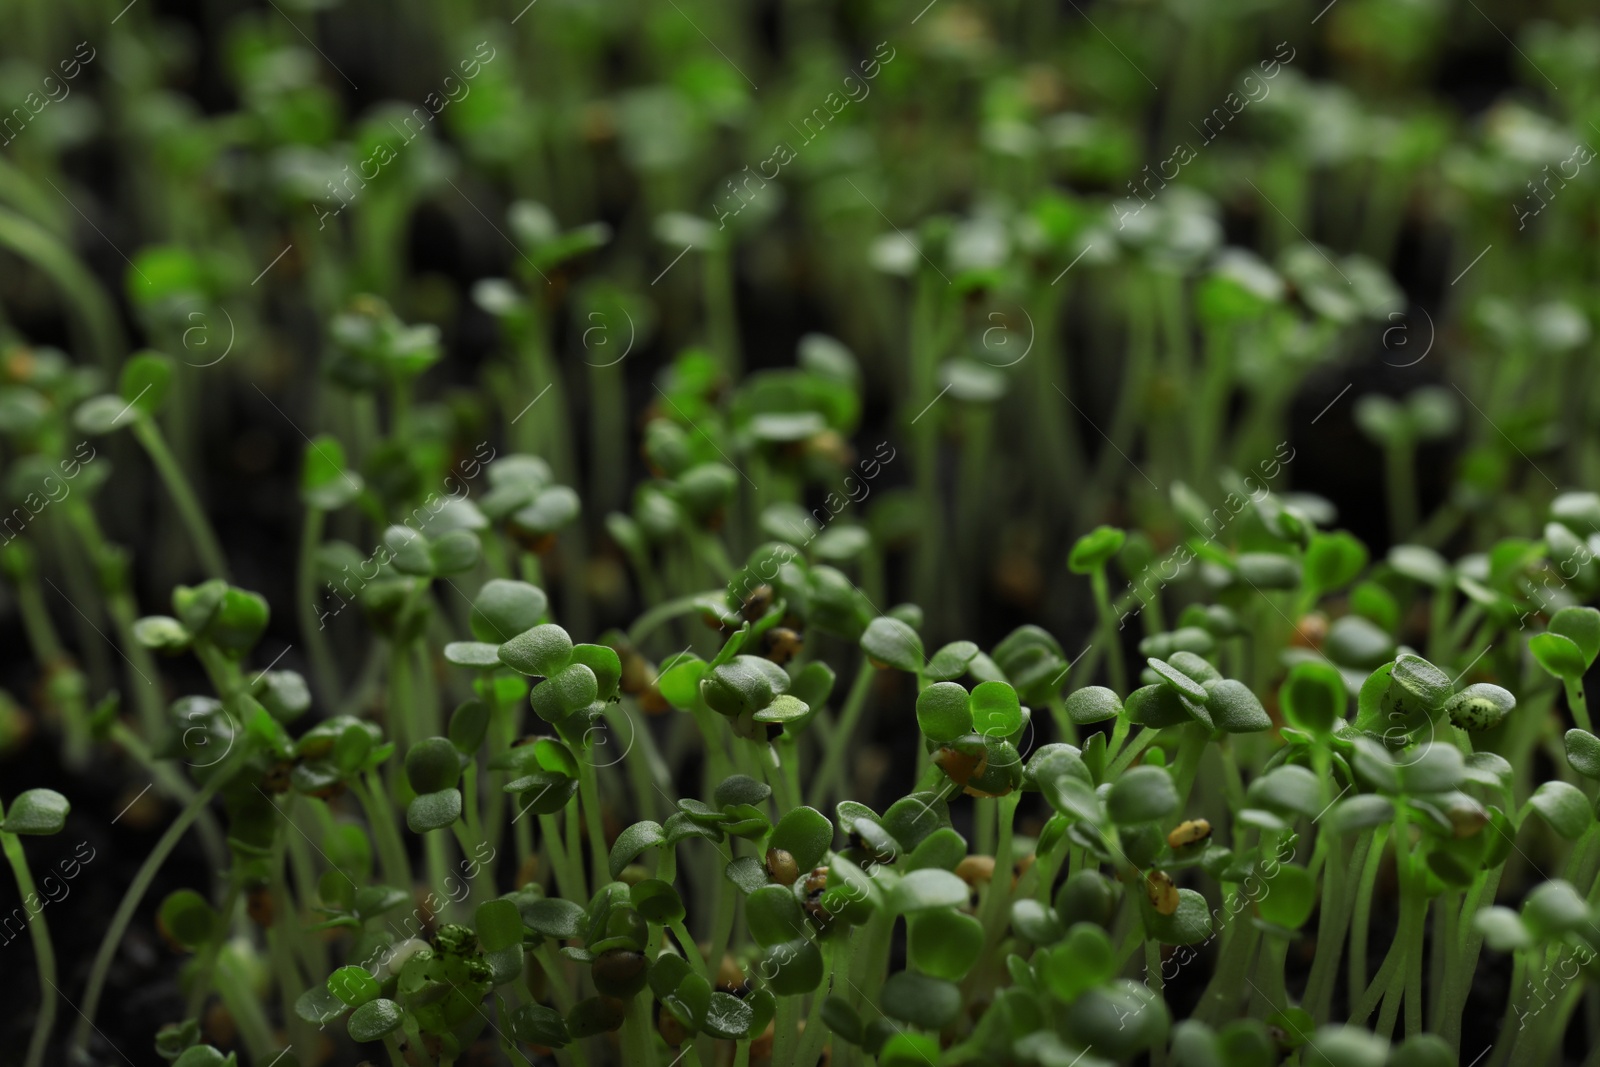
x=1400, y=481
x=661, y=614
x=234, y=987
x=438, y=864
x=722, y=928
x=638, y=1048
x=569, y=882
x=142, y=672
x=188, y=505
x=784, y=1037
x=1516, y=997
x=401, y=727
x=171, y=782
x=481, y=885
x=1108, y=631
x=36, y=624
x=551, y=965
x=1221, y=998
x=1332, y=928
x=1444, y=950
x=1269, y=972
x=94, y=313
x=1156, y=983
x=1440, y=608
x=712, y=732
x=832, y=769
x=207, y=961
x=1362, y=920
x=134, y=894
x=691, y=950
x=391, y=849
x=323, y=670
x=1190, y=749
x=44, y=956
x=1578, y=702
x=1414, y=953
x=996, y=908
x=1131, y=753
x=1459, y=983
x=647, y=771
x=815, y=1033
x=589, y=796
x=290, y=981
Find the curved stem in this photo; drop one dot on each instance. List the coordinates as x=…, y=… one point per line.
x=188, y=505
x=661, y=614
x=173, y=783
x=142, y=670
x=97, y=314
x=135, y=893
x=44, y=956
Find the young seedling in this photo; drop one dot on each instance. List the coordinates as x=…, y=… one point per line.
x=34, y=813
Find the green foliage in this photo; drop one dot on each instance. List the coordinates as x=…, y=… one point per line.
x=627, y=831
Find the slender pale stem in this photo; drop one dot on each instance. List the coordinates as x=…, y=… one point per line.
x=193, y=515
x=1109, y=631
x=1400, y=480
x=844, y=734
x=637, y=1045
x=569, y=882
x=44, y=956
x=1131, y=753
x=480, y=886
x=1332, y=928
x=838, y=953
x=1459, y=982
x=135, y=893
x=391, y=850
x=1361, y=922
x=647, y=771
x=208, y=954
x=233, y=986
x=551, y=965
x=1578, y=703
x=784, y=1037
x=660, y=615
x=589, y=796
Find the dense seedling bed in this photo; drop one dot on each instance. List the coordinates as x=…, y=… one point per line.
x=799, y=534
